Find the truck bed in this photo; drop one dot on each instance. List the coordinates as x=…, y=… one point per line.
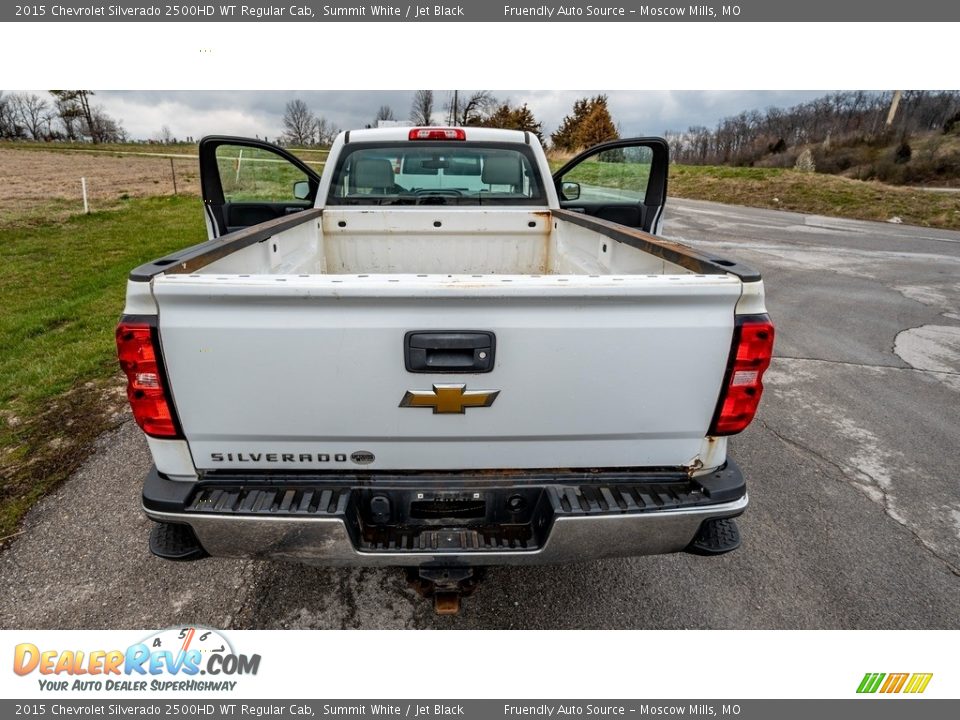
x=353, y=241
x=608, y=355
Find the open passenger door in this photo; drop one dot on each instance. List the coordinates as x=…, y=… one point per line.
x=246, y=182
x=621, y=181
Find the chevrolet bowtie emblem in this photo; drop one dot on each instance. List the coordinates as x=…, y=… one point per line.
x=449, y=398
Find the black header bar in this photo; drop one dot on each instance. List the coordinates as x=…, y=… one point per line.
x=486, y=11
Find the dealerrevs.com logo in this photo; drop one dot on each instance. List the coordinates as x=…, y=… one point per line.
x=172, y=659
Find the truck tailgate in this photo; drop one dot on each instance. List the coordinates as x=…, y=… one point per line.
x=290, y=373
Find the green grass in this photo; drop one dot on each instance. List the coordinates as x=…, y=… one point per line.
x=62, y=289
x=814, y=193
x=61, y=292
x=254, y=174
x=622, y=177
x=19, y=217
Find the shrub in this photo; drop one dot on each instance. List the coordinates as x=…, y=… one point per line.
x=903, y=153
x=952, y=124
x=805, y=162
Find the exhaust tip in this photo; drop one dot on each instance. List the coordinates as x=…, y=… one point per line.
x=715, y=537
x=175, y=542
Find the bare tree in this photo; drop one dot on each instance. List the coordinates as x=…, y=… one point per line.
x=421, y=110
x=93, y=127
x=851, y=117
x=677, y=141
x=325, y=131
x=385, y=112
x=105, y=128
x=69, y=113
x=81, y=119
x=74, y=105
x=33, y=113
x=299, y=123
x=470, y=109
x=164, y=136
x=10, y=128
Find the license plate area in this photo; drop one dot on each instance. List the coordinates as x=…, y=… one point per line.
x=448, y=508
x=382, y=506
x=403, y=518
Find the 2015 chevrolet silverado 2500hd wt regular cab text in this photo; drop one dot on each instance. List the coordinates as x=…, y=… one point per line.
x=435, y=354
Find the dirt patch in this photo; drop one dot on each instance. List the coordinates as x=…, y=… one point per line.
x=51, y=446
x=40, y=186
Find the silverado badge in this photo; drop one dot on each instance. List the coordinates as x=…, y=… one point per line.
x=449, y=398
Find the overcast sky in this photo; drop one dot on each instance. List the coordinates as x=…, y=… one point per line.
x=248, y=113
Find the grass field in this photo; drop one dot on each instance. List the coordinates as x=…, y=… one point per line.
x=830, y=195
x=61, y=292
x=43, y=188
x=41, y=182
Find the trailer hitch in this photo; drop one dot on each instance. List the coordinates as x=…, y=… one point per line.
x=446, y=585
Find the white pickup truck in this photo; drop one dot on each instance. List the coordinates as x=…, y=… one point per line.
x=437, y=354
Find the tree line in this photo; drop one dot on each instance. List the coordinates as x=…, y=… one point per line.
x=841, y=117
x=750, y=137
x=64, y=115
x=588, y=123
x=71, y=115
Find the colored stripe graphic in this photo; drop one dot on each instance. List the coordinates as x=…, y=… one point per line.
x=918, y=682
x=894, y=683
x=870, y=682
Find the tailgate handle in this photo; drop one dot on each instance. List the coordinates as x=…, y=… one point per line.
x=454, y=351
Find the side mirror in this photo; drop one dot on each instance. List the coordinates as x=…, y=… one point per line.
x=301, y=190
x=570, y=190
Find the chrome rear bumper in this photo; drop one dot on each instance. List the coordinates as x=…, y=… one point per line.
x=325, y=541
x=564, y=523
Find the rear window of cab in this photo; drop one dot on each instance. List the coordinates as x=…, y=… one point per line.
x=436, y=173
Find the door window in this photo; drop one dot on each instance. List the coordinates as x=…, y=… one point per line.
x=249, y=174
x=614, y=175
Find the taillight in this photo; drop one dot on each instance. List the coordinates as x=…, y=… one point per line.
x=140, y=360
x=437, y=134
x=749, y=357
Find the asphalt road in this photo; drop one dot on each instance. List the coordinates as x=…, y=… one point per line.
x=852, y=467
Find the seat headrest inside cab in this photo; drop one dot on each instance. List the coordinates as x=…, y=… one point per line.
x=373, y=173
x=501, y=170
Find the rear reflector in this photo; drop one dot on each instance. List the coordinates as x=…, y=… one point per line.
x=749, y=357
x=140, y=360
x=437, y=134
